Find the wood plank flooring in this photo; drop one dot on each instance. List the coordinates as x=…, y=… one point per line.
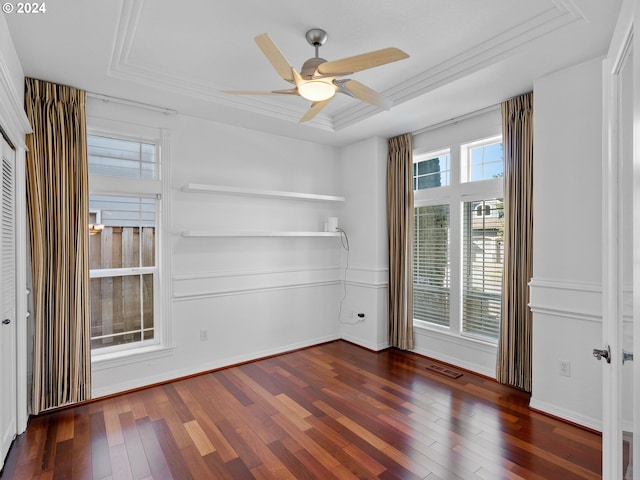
x=331, y=411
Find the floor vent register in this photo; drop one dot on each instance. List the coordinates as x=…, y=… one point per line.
x=444, y=371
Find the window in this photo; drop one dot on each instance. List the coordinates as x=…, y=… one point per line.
x=482, y=160
x=123, y=242
x=122, y=158
x=458, y=241
x=431, y=170
x=482, y=268
x=431, y=268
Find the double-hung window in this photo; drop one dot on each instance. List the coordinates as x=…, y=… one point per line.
x=458, y=238
x=124, y=208
x=431, y=265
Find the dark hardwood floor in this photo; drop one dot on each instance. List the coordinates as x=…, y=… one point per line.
x=331, y=411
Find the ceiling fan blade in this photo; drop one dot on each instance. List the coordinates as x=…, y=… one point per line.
x=314, y=110
x=364, y=61
x=275, y=56
x=364, y=93
x=289, y=91
x=297, y=79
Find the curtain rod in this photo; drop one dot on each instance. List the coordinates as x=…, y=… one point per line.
x=457, y=119
x=131, y=103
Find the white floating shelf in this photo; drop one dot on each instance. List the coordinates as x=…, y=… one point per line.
x=251, y=192
x=222, y=233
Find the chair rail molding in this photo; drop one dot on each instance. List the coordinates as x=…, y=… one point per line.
x=566, y=299
x=200, y=285
x=368, y=276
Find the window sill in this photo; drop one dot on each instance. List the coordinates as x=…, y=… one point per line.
x=126, y=357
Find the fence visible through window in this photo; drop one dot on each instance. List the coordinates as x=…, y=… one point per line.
x=122, y=251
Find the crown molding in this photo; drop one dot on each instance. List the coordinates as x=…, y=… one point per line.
x=572, y=7
x=470, y=61
x=121, y=67
x=560, y=14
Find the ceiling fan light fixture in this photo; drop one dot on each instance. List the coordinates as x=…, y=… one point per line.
x=316, y=90
x=319, y=80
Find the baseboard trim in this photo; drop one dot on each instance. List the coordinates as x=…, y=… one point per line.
x=457, y=366
x=566, y=416
x=177, y=375
x=559, y=414
x=373, y=347
x=465, y=347
x=97, y=398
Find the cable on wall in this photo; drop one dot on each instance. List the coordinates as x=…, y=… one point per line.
x=344, y=240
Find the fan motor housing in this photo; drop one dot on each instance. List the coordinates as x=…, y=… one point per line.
x=309, y=67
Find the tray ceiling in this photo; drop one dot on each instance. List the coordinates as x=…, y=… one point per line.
x=181, y=55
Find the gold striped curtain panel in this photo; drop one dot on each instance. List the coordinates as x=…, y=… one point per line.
x=400, y=233
x=514, y=347
x=57, y=209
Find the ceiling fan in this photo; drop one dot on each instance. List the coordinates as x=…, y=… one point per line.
x=318, y=80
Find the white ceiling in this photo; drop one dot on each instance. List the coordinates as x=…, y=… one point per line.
x=465, y=55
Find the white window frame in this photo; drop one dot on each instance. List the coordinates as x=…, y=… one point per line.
x=137, y=271
x=465, y=150
x=429, y=155
x=162, y=344
x=455, y=194
x=464, y=199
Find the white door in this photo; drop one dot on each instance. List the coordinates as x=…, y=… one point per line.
x=8, y=386
x=621, y=251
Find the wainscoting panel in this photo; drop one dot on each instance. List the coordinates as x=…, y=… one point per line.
x=365, y=291
x=476, y=356
x=580, y=301
x=567, y=326
x=213, y=284
x=371, y=331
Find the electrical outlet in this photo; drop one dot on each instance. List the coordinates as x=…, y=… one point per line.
x=204, y=335
x=352, y=314
x=564, y=368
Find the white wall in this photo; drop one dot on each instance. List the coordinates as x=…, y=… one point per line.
x=364, y=218
x=567, y=275
x=255, y=296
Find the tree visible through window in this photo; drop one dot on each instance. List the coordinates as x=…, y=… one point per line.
x=432, y=170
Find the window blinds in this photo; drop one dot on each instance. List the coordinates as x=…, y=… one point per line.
x=483, y=250
x=431, y=265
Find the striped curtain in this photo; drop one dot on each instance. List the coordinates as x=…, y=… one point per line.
x=57, y=209
x=514, y=346
x=400, y=225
